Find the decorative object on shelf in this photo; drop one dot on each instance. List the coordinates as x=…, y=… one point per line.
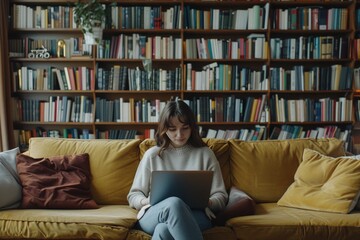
x=61, y=48
x=90, y=16
x=39, y=53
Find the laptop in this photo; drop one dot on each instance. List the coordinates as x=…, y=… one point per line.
x=193, y=187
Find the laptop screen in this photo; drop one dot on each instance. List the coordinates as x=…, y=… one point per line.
x=193, y=187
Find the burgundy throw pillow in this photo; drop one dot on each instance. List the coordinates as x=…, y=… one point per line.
x=59, y=182
x=239, y=204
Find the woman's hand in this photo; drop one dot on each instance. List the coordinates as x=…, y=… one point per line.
x=209, y=213
x=145, y=201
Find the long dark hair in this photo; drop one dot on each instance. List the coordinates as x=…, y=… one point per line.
x=177, y=108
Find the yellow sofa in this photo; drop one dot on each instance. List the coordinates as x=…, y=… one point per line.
x=263, y=169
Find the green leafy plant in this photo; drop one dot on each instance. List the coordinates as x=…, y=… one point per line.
x=88, y=14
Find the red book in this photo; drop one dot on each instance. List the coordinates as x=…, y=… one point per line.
x=314, y=19
x=92, y=79
x=72, y=78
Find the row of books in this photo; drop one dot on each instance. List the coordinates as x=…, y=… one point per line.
x=81, y=109
x=217, y=76
x=158, y=17
x=255, y=17
x=213, y=76
x=310, y=18
x=229, y=109
x=300, y=78
x=206, y=109
x=54, y=16
x=298, y=131
x=74, y=47
x=310, y=47
x=119, y=110
x=125, y=78
x=310, y=110
x=118, y=17
x=56, y=109
x=53, y=78
x=125, y=134
x=136, y=46
x=257, y=133
x=145, y=17
x=117, y=134
x=244, y=134
x=254, y=46
x=84, y=133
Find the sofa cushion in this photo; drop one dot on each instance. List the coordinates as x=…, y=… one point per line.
x=55, y=182
x=273, y=222
x=324, y=183
x=265, y=169
x=8, y=183
x=110, y=222
x=214, y=233
x=220, y=147
x=113, y=163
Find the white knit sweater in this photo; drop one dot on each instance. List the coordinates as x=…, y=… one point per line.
x=184, y=158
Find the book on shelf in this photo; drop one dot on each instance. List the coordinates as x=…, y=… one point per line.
x=245, y=134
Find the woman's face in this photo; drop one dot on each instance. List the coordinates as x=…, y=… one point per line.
x=178, y=132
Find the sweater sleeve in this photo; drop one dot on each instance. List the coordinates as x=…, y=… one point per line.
x=139, y=193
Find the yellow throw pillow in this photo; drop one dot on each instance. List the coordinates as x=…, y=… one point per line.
x=324, y=183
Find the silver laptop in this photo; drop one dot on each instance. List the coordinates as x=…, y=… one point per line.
x=193, y=187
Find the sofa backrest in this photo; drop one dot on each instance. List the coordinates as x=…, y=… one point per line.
x=113, y=163
x=265, y=169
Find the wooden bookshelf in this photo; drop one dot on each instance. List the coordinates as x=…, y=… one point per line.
x=232, y=62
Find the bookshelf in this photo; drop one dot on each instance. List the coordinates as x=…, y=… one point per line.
x=356, y=56
x=249, y=69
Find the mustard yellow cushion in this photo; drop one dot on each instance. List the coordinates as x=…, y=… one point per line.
x=265, y=169
x=113, y=163
x=324, y=183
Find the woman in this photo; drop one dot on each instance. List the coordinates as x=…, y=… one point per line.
x=179, y=147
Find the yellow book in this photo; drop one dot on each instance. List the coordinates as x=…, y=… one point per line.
x=253, y=109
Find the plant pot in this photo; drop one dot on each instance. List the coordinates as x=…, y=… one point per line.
x=95, y=37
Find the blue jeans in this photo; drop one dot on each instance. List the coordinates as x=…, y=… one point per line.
x=173, y=219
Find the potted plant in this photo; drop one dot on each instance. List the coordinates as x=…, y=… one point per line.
x=90, y=16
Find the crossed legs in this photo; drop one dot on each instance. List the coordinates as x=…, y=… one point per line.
x=173, y=219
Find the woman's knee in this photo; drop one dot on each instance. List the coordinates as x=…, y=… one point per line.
x=162, y=232
x=173, y=207
x=176, y=203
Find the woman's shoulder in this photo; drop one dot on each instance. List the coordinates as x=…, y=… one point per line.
x=206, y=149
x=153, y=151
x=203, y=150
